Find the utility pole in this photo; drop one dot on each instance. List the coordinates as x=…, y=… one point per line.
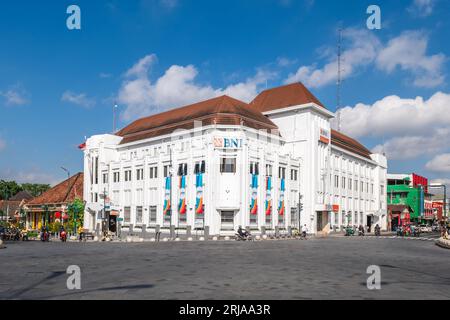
x=171, y=186
x=339, y=79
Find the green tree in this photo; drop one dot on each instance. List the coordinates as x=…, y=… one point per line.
x=35, y=189
x=75, y=209
x=9, y=189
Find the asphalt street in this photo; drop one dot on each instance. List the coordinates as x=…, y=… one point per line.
x=328, y=268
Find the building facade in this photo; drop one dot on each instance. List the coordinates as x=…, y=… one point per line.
x=52, y=205
x=272, y=164
x=411, y=192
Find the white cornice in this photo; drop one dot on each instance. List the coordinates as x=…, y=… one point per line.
x=306, y=106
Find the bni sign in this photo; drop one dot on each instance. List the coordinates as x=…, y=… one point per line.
x=227, y=143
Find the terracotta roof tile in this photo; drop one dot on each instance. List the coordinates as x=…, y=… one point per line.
x=66, y=191
x=341, y=140
x=220, y=110
x=22, y=195
x=282, y=97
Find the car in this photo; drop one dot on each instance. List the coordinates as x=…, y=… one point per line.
x=425, y=228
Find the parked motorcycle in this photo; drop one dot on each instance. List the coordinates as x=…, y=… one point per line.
x=45, y=236
x=63, y=236
x=349, y=232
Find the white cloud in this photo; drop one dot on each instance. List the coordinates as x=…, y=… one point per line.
x=80, y=99
x=15, y=96
x=361, y=51
x=175, y=88
x=394, y=115
x=411, y=127
x=409, y=147
x=408, y=52
x=34, y=175
x=285, y=62
x=440, y=163
x=422, y=8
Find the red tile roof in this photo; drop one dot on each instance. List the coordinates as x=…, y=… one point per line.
x=220, y=110
x=282, y=97
x=341, y=140
x=65, y=192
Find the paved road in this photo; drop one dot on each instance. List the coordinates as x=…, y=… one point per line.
x=332, y=268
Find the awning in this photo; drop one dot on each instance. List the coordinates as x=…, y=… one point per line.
x=114, y=213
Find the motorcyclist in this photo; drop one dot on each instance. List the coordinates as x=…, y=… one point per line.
x=361, y=230
x=242, y=232
x=377, y=230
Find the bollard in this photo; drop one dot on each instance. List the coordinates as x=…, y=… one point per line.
x=130, y=230
x=289, y=231
x=206, y=232
x=188, y=231
x=157, y=232
x=144, y=231
x=172, y=232
x=277, y=232
x=263, y=231
x=97, y=230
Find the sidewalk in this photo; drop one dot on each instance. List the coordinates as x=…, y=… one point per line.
x=372, y=234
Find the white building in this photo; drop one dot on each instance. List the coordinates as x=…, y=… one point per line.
x=222, y=163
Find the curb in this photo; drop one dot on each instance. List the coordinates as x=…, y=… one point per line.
x=443, y=243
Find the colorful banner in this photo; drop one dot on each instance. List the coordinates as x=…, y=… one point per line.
x=199, y=196
x=167, y=203
x=182, y=203
x=268, y=207
x=254, y=200
x=281, y=202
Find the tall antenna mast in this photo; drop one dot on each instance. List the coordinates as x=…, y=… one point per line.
x=114, y=117
x=339, y=79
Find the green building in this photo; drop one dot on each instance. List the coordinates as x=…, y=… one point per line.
x=405, y=200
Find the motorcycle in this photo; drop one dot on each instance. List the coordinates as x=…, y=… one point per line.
x=377, y=232
x=63, y=236
x=45, y=236
x=360, y=233
x=245, y=237
x=349, y=232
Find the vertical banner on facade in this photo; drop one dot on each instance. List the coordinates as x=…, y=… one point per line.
x=281, y=202
x=167, y=203
x=199, y=196
x=182, y=203
x=254, y=191
x=268, y=196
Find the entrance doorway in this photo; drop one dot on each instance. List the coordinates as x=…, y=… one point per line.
x=113, y=224
x=369, y=222
x=227, y=220
x=322, y=220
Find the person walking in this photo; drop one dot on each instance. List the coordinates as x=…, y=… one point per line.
x=304, y=231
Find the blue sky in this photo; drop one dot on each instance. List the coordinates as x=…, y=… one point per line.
x=58, y=86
